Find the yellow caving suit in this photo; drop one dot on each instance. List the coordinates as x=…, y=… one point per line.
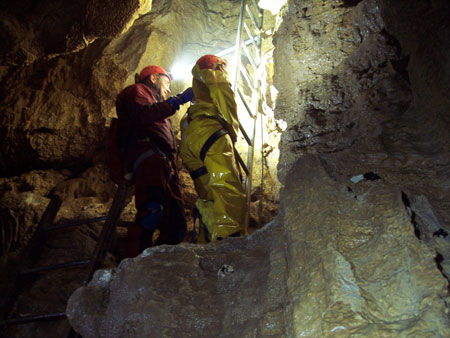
x=222, y=201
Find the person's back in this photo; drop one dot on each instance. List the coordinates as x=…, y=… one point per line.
x=208, y=132
x=128, y=106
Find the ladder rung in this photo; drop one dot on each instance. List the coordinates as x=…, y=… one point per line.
x=241, y=96
x=246, y=77
x=249, y=57
x=34, y=318
x=252, y=39
x=76, y=223
x=252, y=18
x=55, y=266
x=232, y=48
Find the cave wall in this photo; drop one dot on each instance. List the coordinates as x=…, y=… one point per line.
x=370, y=91
x=367, y=147
x=52, y=114
x=375, y=103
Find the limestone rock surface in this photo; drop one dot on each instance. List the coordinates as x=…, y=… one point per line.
x=22, y=202
x=32, y=30
x=367, y=97
x=356, y=267
x=234, y=288
x=332, y=263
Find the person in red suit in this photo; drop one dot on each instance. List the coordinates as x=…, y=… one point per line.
x=150, y=152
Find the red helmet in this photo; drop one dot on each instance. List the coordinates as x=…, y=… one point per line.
x=149, y=70
x=210, y=62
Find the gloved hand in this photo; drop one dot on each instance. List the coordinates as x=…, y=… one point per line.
x=187, y=95
x=180, y=99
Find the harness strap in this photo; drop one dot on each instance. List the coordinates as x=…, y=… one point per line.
x=198, y=172
x=208, y=144
x=128, y=176
x=210, y=141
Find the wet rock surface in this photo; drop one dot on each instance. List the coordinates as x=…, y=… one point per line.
x=356, y=267
x=363, y=104
x=232, y=288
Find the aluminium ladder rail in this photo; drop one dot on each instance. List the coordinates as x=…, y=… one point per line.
x=241, y=77
x=34, y=248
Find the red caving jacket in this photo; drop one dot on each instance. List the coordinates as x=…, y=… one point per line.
x=140, y=113
x=140, y=117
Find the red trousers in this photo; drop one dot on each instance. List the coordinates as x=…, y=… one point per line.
x=155, y=181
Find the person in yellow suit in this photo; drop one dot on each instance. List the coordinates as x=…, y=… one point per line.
x=208, y=132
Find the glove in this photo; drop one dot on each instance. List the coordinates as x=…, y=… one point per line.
x=180, y=99
x=186, y=96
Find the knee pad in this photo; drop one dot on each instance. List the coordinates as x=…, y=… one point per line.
x=152, y=216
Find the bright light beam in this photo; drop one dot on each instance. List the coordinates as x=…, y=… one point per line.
x=181, y=71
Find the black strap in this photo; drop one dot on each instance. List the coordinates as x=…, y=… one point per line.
x=210, y=141
x=198, y=172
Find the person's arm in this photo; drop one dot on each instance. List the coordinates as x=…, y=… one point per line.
x=143, y=113
x=161, y=110
x=150, y=113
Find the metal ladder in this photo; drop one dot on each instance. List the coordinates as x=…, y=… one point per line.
x=32, y=252
x=250, y=14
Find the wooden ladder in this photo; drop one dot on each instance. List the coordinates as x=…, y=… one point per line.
x=34, y=248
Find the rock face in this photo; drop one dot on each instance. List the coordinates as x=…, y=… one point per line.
x=332, y=263
x=50, y=114
x=356, y=267
x=235, y=288
x=364, y=105
x=33, y=30
x=360, y=95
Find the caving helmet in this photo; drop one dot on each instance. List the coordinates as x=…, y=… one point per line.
x=210, y=61
x=149, y=70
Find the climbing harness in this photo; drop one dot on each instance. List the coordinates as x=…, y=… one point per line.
x=206, y=146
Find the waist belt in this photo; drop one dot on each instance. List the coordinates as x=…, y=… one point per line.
x=209, y=142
